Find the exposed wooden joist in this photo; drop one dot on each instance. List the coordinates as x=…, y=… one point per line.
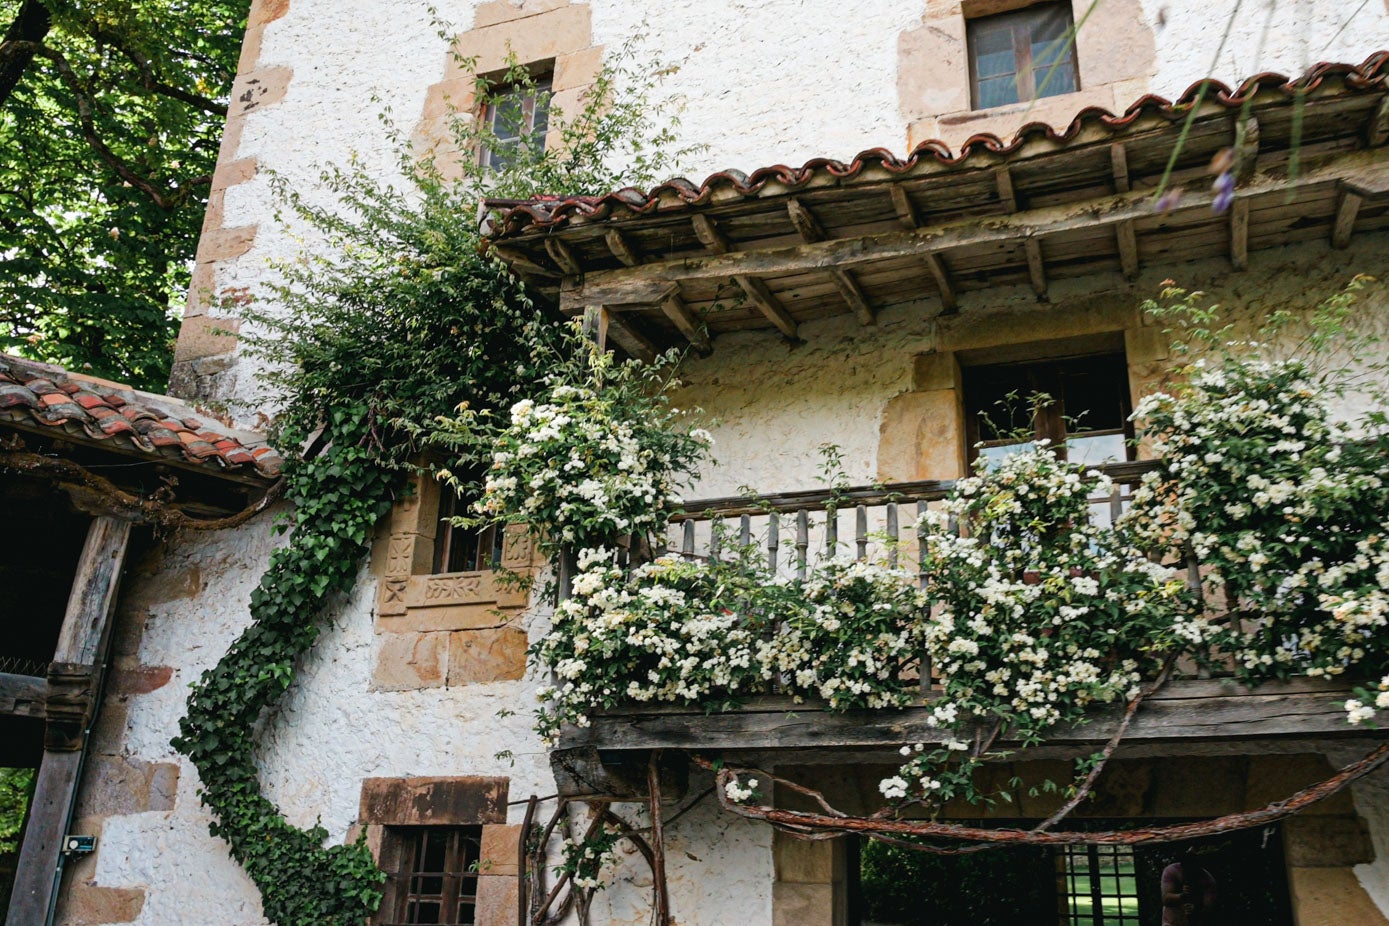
x=518, y=259
x=806, y=224
x=709, y=235
x=1183, y=711
x=1246, y=149
x=767, y=302
x=853, y=294
x=1006, y=196
x=1239, y=234
x=1119, y=167
x=83, y=641
x=621, y=248
x=936, y=264
x=683, y=319
x=561, y=254
x=22, y=695
x=1036, y=267
x=902, y=204
x=646, y=284
x=1127, y=240
x=631, y=340
x=1347, y=208
x=1377, y=130
x=810, y=230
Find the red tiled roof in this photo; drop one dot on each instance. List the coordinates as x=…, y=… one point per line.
x=550, y=212
x=94, y=410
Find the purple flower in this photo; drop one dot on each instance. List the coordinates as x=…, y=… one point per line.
x=1167, y=201
x=1224, y=189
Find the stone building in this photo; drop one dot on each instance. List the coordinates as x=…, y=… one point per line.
x=871, y=301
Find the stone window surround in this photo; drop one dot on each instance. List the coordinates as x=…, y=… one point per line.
x=440, y=630
x=1116, y=58
x=390, y=803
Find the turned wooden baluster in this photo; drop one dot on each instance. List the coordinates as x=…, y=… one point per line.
x=861, y=532
x=802, y=541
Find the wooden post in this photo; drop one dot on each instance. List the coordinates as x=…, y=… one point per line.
x=74, y=688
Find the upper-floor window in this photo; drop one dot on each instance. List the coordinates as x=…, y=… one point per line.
x=1080, y=405
x=1022, y=55
x=517, y=115
x=463, y=549
x=436, y=878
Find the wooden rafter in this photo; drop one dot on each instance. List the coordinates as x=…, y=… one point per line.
x=1377, y=130
x=561, y=254
x=621, y=248
x=1004, y=178
x=1347, y=208
x=767, y=303
x=709, y=235
x=1036, y=266
x=1119, y=167
x=941, y=274
x=682, y=318
x=811, y=230
x=1246, y=149
x=902, y=205
x=1127, y=240
x=1239, y=234
x=520, y=260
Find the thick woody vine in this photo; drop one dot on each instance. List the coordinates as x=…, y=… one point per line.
x=1259, y=543
x=396, y=317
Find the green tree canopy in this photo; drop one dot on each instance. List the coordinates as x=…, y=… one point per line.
x=111, y=113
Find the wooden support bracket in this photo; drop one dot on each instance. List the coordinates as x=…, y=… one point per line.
x=1036, y=267
x=1004, y=177
x=682, y=318
x=767, y=303
x=1127, y=240
x=621, y=248
x=1119, y=167
x=936, y=264
x=1347, y=208
x=1239, y=234
x=902, y=204
x=709, y=235
x=562, y=255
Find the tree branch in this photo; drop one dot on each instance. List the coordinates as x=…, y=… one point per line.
x=22, y=40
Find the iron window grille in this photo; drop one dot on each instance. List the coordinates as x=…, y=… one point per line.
x=436, y=881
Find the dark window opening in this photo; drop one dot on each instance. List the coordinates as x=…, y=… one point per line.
x=435, y=881
x=517, y=116
x=1023, y=55
x=1081, y=406
x=1065, y=886
x=463, y=549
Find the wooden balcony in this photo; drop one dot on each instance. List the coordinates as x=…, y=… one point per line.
x=794, y=529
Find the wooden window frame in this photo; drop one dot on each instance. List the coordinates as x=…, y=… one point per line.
x=460, y=871
x=459, y=549
x=1075, y=888
x=540, y=83
x=1020, y=23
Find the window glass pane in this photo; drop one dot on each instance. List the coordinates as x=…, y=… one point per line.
x=998, y=91
x=992, y=45
x=1094, y=449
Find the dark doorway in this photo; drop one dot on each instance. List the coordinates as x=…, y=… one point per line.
x=1068, y=886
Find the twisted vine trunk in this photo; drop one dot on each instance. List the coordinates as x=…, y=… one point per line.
x=22, y=40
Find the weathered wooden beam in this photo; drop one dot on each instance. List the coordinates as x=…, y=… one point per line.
x=631, y=340
x=709, y=235
x=1377, y=129
x=1347, y=208
x=807, y=226
x=1239, y=234
x=1004, y=178
x=645, y=284
x=562, y=255
x=767, y=302
x=518, y=259
x=621, y=248
x=83, y=641
x=683, y=319
x=1246, y=149
x=1184, y=711
x=941, y=274
x=1127, y=240
x=902, y=204
x=852, y=293
x=1036, y=267
x=1119, y=167
x=22, y=695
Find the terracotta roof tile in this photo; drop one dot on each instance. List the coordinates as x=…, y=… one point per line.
x=545, y=212
x=38, y=396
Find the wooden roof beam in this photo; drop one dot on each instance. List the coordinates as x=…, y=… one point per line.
x=902, y=205
x=709, y=235
x=646, y=284
x=1119, y=167
x=1036, y=267
x=683, y=319
x=563, y=256
x=810, y=230
x=936, y=264
x=1377, y=130
x=1239, y=234
x=519, y=260
x=768, y=304
x=622, y=248
x=1004, y=178
x=1127, y=240
x=1347, y=208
